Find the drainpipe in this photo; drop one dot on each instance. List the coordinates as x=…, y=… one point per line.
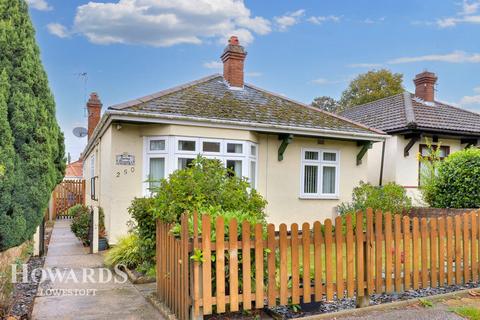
x=382, y=164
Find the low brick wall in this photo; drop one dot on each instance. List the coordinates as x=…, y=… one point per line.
x=436, y=212
x=7, y=258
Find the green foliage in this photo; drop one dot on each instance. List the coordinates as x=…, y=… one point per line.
x=325, y=103
x=428, y=171
x=425, y=303
x=31, y=144
x=371, y=86
x=145, y=228
x=468, y=312
x=81, y=222
x=206, y=183
x=126, y=252
x=457, y=184
x=388, y=198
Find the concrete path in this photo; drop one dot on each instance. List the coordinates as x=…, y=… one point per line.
x=86, y=290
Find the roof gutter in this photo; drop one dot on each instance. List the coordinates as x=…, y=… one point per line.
x=143, y=117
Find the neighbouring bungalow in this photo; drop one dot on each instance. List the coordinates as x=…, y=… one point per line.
x=411, y=119
x=74, y=170
x=304, y=161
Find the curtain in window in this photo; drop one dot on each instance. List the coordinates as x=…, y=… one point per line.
x=253, y=173
x=157, y=171
x=310, y=179
x=235, y=166
x=328, y=180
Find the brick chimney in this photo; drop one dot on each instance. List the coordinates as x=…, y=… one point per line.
x=94, y=107
x=425, y=86
x=233, y=58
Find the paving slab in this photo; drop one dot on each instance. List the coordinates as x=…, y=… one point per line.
x=86, y=292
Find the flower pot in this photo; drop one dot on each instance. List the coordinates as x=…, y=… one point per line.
x=102, y=244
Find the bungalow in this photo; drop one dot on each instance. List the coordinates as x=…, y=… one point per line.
x=302, y=160
x=410, y=119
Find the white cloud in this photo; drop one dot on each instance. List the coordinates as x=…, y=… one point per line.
x=468, y=100
x=41, y=5
x=324, y=81
x=213, y=65
x=454, y=57
x=476, y=90
x=373, y=20
x=289, y=19
x=323, y=19
x=164, y=23
x=58, y=30
x=466, y=15
x=253, y=74
x=365, y=65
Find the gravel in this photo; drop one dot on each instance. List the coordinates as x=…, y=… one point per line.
x=24, y=293
x=307, y=309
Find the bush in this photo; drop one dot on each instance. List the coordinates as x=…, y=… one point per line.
x=206, y=183
x=208, y=187
x=388, y=198
x=81, y=222
x=126, y=252
x=457, y=184
x=145, y=229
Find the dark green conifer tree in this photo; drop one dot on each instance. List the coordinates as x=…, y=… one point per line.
x=38, y=160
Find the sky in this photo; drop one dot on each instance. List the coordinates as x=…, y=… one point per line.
x=124, y=49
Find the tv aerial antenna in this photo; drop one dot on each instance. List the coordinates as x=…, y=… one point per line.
x=81, y=132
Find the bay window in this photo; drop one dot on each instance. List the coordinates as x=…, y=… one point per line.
x=320, y=171
x=164, y=155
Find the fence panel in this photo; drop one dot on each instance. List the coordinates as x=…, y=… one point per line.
x=66, y=195
x=231, y=266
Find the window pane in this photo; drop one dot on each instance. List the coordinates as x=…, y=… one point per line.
x=211, y=146
x=253, y=173
x=329, y=156
x=253, y=150
x=443, y=152
x=328, y=180
x=157, y=171
x=186, y=145
x=157, y=145
x=184, y=163
x=235, y=166
x=310, y=181
x=234, y=148
x=311, y=155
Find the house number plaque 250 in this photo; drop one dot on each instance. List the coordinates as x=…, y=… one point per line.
x=125, y=172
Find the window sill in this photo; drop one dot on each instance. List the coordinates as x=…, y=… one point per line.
x=305, y=197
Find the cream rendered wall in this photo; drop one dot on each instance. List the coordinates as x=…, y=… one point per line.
x=402, y=170
x=279, y=181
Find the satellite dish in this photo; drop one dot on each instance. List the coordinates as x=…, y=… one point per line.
x=80, y=132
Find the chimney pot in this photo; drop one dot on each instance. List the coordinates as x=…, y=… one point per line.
x=425, y=86
x=94, y=107
x=233, y=59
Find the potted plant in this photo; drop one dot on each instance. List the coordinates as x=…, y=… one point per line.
x=102, y=239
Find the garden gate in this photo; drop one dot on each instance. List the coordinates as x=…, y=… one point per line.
x=66, y=195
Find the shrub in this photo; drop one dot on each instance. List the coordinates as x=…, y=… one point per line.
x=457, y=184
x=428, y=171
x=145, y=229
x=206, y=183
x=206, y=186
x=126, y=252
x=81, y=222
x=388, y=198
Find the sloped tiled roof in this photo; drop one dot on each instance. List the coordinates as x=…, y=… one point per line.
x=405, y=111
x=212, y=98
x=74, y=169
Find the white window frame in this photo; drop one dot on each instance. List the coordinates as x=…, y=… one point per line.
x=171, y=154
x=320, y=163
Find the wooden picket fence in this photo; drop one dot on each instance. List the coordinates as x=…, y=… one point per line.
x=254, y=267
x=67, y=194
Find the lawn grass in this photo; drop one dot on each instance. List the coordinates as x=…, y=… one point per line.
x=471, y=313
